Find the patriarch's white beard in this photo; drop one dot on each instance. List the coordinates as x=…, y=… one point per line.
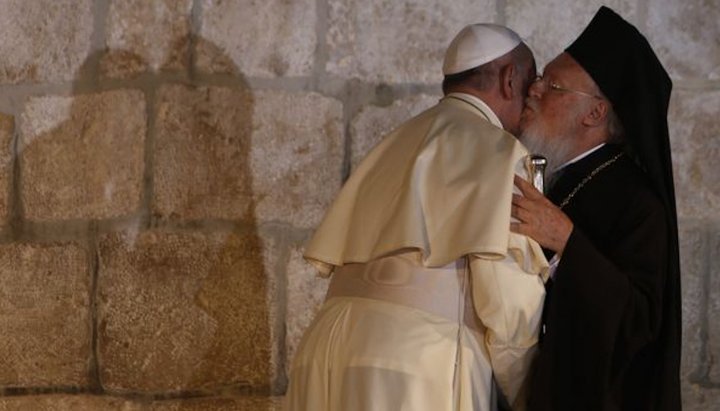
x=556, y=149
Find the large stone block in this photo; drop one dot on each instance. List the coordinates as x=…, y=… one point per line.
x=44, y=315
x=220, y=404
x=146, y=35
x=549, y=27
x=694, y=253
x=685, y=36
x=60, y=402
x=694, y=132
x=305, y=294
x=699, y=398
x=228, y=153
x=7, y=128
x=83, y=156
x=372, y=123
x=202, y=149
x=297, y=153
x=396, y=41
x=187, y=311
x=713, y=314
x=273, y=38
x=44, y=40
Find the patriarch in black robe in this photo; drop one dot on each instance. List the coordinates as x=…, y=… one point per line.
x=611, y=338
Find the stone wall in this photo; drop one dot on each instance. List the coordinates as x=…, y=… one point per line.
x=162, y=163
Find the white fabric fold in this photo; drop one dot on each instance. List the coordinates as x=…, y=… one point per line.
x=441, y=184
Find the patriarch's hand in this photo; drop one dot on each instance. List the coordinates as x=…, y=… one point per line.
x=539, y=218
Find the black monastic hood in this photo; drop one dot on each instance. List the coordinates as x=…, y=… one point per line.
x=624, y=66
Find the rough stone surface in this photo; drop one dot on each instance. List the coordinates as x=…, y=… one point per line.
x=273, y=38
x=549, y=28
x=44, y=315
x=44, y=40
x=82, y=157
x=713, y=314
x=694, y=132
x=228, y=153
x=221, y=404
x=144, y=35
x=396, y=41
x=7, y=128
x=699, y=398
x=61, y=402
x=297, y=150
x=202, y=146
x=186, y=311
x=373, y=123
x=685, y=37
x=693, y=267
x=305, y=294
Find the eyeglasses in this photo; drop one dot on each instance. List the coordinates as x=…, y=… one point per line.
x=552, y=86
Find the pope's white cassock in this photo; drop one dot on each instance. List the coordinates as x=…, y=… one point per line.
x=433, y=303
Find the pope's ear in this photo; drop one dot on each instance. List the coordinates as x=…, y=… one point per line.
x=508, y=83
x=597, y=115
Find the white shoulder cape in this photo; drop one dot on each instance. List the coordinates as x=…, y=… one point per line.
x=442, y=184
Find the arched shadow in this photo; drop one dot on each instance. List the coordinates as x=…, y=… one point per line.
x=160, y=161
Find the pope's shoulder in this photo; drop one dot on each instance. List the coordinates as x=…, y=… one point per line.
x=459, y=120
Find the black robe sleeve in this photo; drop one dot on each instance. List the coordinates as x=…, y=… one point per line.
x=604, y=306
x=620, y=295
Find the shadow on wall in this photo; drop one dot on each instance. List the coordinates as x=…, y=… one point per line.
x=184, y=295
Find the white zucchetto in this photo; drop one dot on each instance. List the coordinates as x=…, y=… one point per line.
x=477, y=44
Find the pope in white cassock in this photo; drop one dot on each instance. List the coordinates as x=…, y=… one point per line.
x=433, y=303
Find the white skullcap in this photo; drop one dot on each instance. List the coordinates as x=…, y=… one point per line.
x=478, y=44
